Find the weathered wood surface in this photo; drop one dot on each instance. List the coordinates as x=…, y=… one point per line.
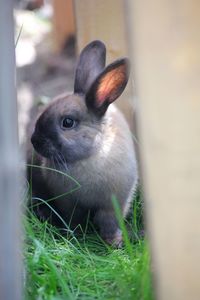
x=10, y=276
x=166, y=55
x=63, y=22
x=105, y=20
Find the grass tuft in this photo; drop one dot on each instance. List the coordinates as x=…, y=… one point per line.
x=59, y=267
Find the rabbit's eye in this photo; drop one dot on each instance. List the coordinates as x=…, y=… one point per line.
x=68, y=123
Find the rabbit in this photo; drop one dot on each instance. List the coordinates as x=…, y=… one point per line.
x=86, y=137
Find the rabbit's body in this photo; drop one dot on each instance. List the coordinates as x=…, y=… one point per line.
x=97, y=174
x=97, y=151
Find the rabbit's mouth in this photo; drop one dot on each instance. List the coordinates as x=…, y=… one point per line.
x=43, y=146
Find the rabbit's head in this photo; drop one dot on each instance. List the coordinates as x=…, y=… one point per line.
x=70, y=128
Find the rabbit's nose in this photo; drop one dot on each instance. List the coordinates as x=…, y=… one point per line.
x=35, y=141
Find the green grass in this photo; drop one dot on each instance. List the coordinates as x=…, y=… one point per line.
x=84, y=267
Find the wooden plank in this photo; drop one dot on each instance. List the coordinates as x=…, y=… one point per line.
x=166, y=56
x=63, y=22
x=10, y=276
x=105, y=20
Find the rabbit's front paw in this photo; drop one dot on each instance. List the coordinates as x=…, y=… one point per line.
x=115, y=240
x=108, y=226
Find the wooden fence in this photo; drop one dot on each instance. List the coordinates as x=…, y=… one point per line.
x=166, y=55
x=10, y=272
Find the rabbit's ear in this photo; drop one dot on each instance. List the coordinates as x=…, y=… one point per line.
x=90, y=65
x=108, y=86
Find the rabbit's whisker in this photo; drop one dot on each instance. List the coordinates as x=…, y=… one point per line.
x=60, y=164
x=64, y=163
x=54, y=164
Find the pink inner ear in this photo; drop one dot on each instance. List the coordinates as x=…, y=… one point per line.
x=110, y=84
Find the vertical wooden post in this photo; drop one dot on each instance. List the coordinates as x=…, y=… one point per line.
x=63, y=22
x=105, y=20
x=102, y=20
x=166, y=54
x=10, y=276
